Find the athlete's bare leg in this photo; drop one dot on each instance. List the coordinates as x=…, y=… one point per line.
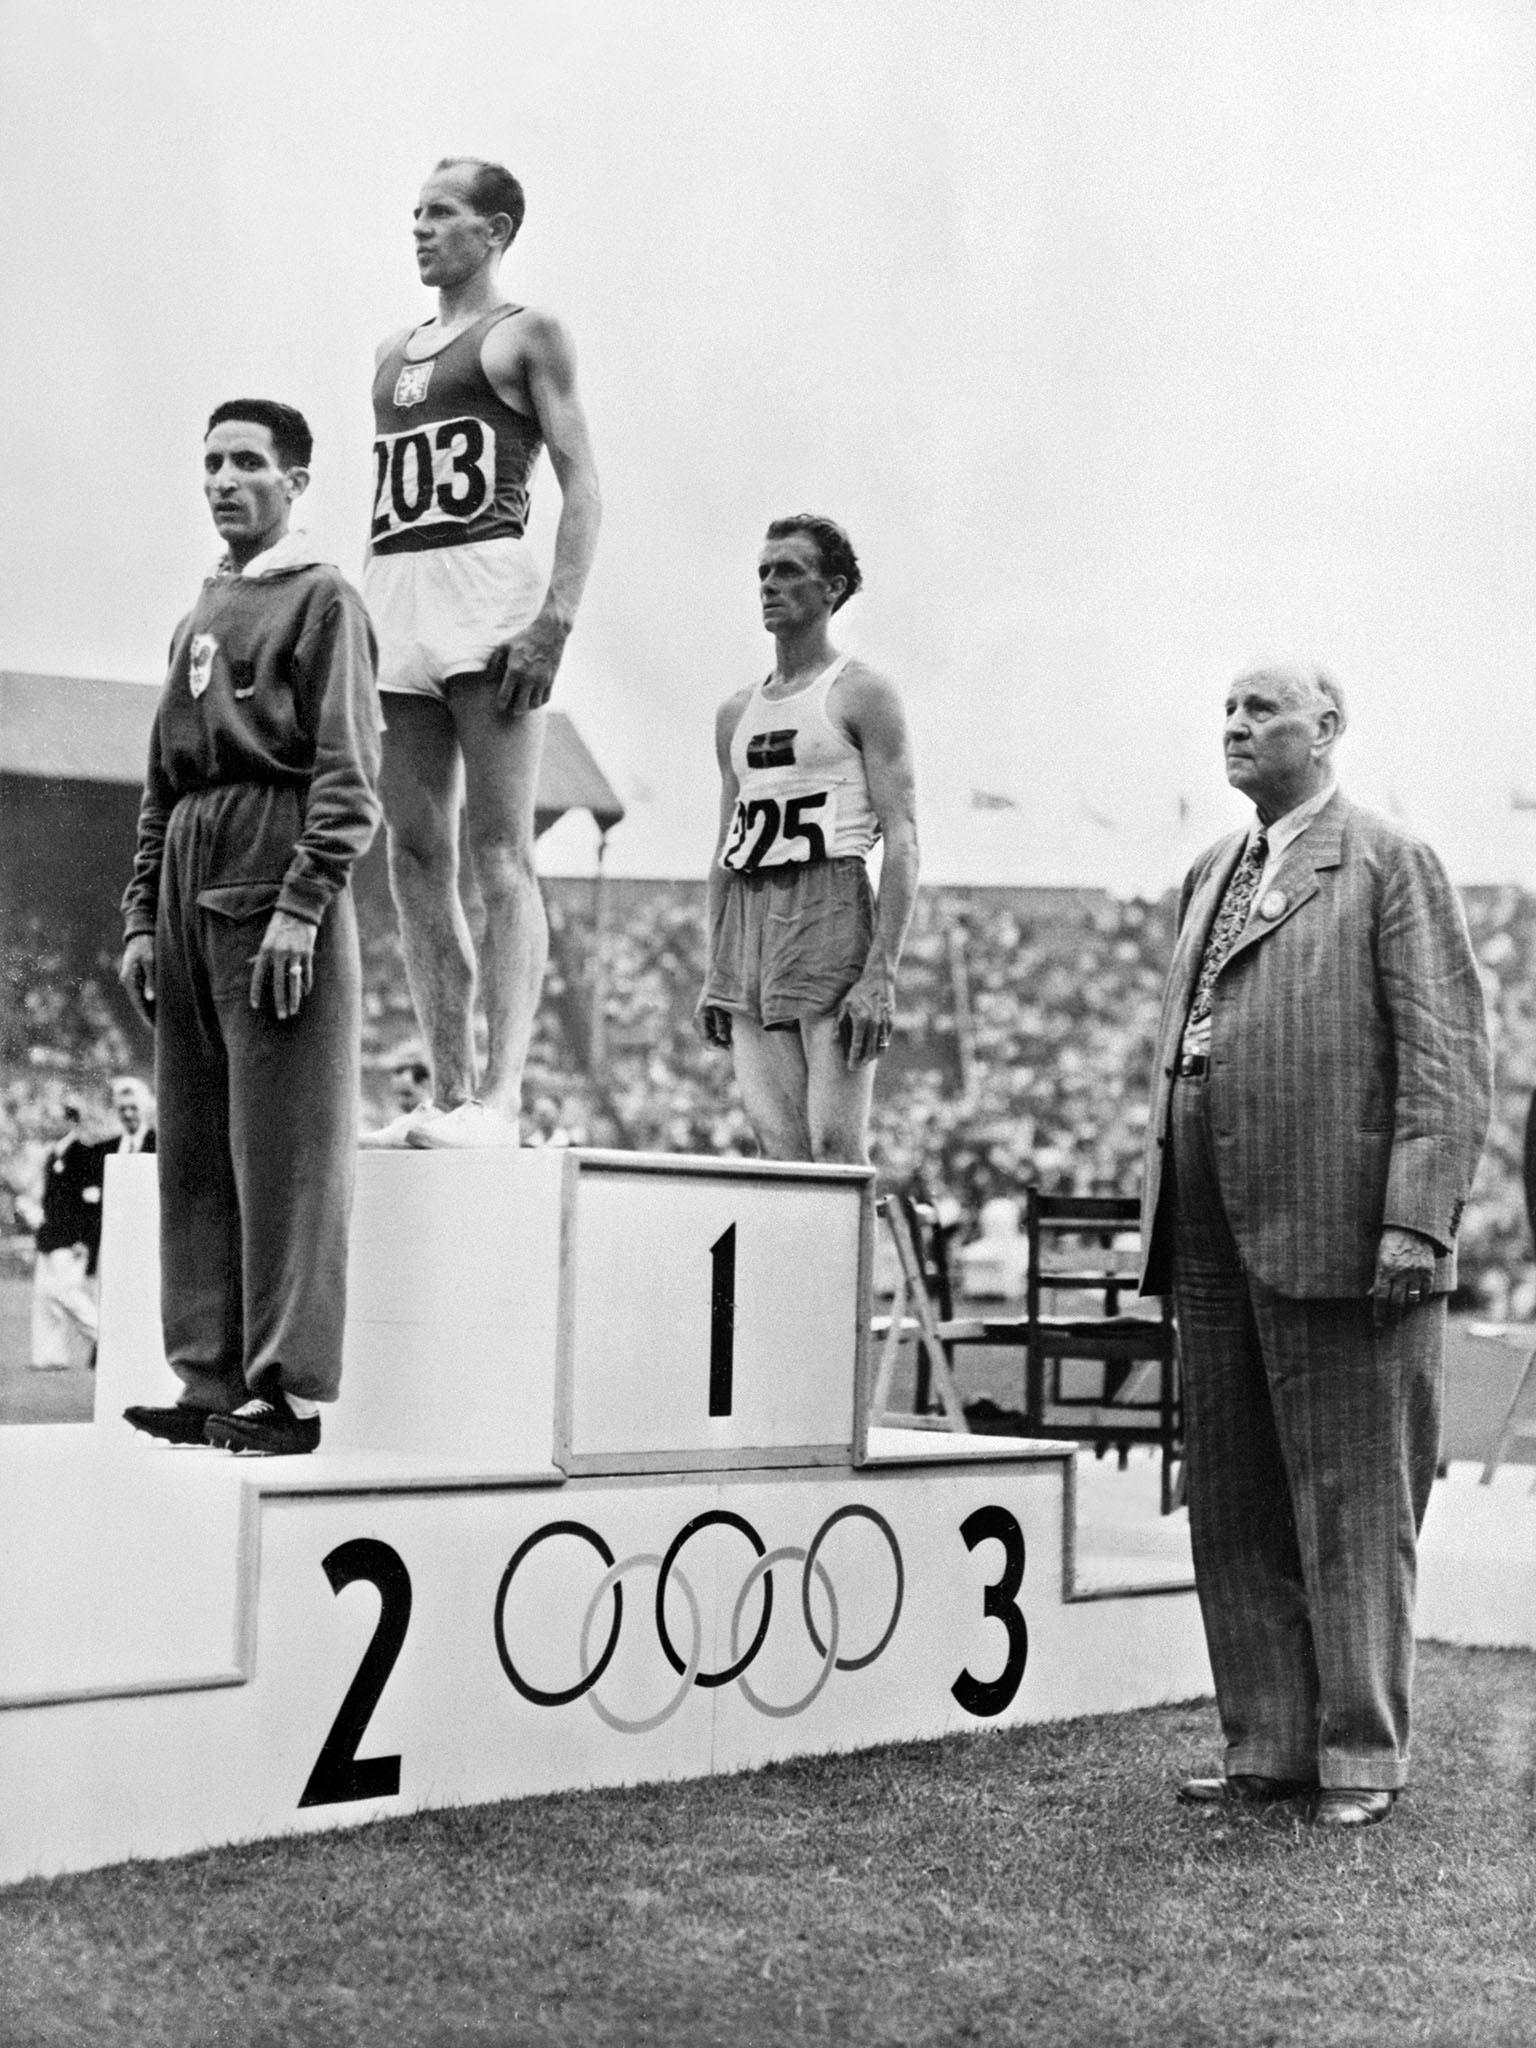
x=837, y=1100
x=800, y=1098
x=420, y=785
x=501, y=774
x=771, y=1074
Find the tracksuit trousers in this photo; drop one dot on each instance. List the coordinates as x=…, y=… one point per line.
x=1312, y=1440
x=258, y=1122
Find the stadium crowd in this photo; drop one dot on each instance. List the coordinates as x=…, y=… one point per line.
x=1026, y=1023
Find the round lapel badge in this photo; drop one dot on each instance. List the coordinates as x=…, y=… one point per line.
x=1274, y=904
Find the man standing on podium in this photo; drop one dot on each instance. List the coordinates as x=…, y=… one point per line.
x=470, y=638
x=815, y=766
x=241, y=952
x=1320, y=1101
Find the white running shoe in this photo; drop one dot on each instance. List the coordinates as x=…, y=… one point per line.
x=395, y=1136
x=469, y=1128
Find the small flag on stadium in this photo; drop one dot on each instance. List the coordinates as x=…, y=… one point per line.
x=991, y=800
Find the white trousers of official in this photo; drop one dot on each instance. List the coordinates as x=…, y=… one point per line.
x=63, y=1309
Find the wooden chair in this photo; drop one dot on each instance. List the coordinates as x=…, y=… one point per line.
x=920, y=1311
x=924, y=1311
x=1078, y=1245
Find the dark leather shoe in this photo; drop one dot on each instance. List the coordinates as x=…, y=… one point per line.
x=1242, y=1788
x=264, y=1429
x=1351, y=1806
x=177, y=1425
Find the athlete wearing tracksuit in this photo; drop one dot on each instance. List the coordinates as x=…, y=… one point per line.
x=260, y=796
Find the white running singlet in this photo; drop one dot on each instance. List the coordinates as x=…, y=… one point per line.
x=802, y=794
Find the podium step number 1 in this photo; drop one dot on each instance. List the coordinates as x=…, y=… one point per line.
x=711, y=1314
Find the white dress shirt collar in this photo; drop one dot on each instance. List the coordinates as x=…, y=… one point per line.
x=1286, y=830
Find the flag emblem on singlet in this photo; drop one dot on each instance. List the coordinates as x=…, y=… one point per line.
x=411, y=384
x=772, y=749
x=200, y=675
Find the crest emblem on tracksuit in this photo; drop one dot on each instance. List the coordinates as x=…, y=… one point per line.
x=200, y=673
x=411, y=384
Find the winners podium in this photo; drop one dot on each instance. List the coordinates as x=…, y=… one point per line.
x=599, y=1504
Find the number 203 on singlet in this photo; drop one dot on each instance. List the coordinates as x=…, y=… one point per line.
x=793, y=827
x=433, y=475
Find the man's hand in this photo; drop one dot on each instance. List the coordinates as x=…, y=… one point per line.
x=525, y=667
x=137, y=974
x=713, y=1024
x=287, y=955
x=1405, y=1274
x=865, y=1018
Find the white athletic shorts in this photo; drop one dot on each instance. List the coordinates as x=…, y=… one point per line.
x=441, y=612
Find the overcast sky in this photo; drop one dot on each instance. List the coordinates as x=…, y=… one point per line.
x=1132, y=339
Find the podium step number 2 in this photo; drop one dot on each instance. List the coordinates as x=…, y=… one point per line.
x=841, y=1599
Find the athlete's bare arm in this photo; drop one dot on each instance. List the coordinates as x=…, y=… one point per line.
x=531, y=364
x=870, y=712
x=713, y=1023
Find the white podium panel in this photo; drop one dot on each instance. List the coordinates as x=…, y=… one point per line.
x=406, y=1651
x=716, y=1313
x=453, y=1298
x=598, y=1505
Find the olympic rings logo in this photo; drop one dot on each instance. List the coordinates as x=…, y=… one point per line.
x=688, y=1665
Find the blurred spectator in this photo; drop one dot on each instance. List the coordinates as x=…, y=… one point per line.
x=65, y=1217
x=410, y=1079
x=134, y=1108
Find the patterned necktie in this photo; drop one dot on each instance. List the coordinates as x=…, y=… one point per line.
x=1229, y=922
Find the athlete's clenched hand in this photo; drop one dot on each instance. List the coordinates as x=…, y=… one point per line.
x=137, y=974
x=865, y=1019
x=524, y=668
x=287, y=958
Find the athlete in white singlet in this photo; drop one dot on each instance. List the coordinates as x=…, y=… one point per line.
x=815, y=766
x=469, y=642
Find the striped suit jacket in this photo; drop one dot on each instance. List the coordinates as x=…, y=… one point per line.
x=1350, y=1077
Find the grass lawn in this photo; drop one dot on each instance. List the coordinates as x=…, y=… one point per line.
x=1036, y=1887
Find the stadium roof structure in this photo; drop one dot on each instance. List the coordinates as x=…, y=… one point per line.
x=89, y=729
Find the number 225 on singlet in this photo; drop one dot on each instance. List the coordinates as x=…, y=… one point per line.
x=432, y=475
x=781, y=831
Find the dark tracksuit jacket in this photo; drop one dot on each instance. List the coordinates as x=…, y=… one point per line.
x=261, y=793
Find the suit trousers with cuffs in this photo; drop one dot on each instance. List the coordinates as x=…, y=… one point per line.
x=1312, y=1440
x=257, y=1128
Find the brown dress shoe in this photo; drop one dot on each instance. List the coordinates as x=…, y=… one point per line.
x=1351, y=1806
x=1242, y=1788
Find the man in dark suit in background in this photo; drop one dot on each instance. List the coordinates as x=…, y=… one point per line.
x=1320, y=1101
x=65, y=1220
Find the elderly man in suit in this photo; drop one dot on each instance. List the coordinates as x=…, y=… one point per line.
x=1321, y=1097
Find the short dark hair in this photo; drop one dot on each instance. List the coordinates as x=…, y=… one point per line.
x=834, y=550
x=492, y=189
x=292, y=441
